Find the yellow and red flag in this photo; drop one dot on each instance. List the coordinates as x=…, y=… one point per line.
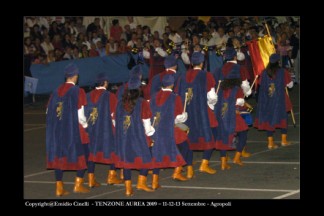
x=260, y=51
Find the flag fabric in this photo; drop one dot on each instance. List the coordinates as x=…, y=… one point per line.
x=260, y=51
x=30, y=84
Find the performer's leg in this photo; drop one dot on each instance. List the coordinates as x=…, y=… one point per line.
x=58, y=175
x=91, y=167
x=141, y=182
x=242, y=136
x=284, y=141
x=271, y=144
x=155, y=181
x=78, y=186
x=204, y=166
x=224, y=164
x=112, y=176
x=59, y=183
x=128, y=182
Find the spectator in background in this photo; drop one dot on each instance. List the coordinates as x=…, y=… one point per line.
x=67, y=41
x=44, y=32
x=50, y=56
x=84, y=52
x=115, y=30
x=132, y=42
x=31, y=21
x=73, y=40
x=35, y=33
x=166, y=41
x=146, y=33
x=58, y=55
x=139, y=31
x=68, y=55
x=76, y=54
x=127, y=33
x=28, y=46
x=26, y=30
x=93, y=51
x=156, y=35
x=95, y=26
x=101, y=49
x=122, y=46
x=132, y=24
x=54, y=30
x=175, y=37
x=47, y=45
x=86, y=42
x=167, y=30
x=95, y=37
x=283, y=49
x=221, y=40
x=56, y=42
x=73, y=29
x=38, y=47
x=79, y=26
x=102, y=36
x=111, y=47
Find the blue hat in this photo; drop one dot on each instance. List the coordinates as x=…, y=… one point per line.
x=234, y=72
x=197, y=58
x=274, y=58
x=229, y=53
x=70, y=70
x=134, y=82
x=101, y=78
x=170, y=61
x=136, y=71
x=168, y=80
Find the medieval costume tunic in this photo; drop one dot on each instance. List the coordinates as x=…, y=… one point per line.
x=132, y=146
x=64, y=136
x=273, y=102
x=165, y=106
x=229, y=121
x=101, y=106
x=201, y=117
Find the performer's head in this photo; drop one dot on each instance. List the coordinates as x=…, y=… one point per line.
x=131, y=95
x=170, y=62
x=71, y=72
x=273, y=65
x=102, y=80
x=230, y=54
x=197, y=59
x=232, y=79
x=168, y=81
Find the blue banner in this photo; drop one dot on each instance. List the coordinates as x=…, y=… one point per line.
x=51, y=75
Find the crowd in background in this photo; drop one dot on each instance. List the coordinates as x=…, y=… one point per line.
x=52, y=39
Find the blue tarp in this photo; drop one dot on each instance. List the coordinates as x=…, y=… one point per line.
x=50, y=76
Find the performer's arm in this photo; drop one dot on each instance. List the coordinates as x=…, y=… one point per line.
x=146, y=118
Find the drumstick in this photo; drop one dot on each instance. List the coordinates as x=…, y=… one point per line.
x=254, y=82
x=154, y=121
x=185, y=103
x=219, y=82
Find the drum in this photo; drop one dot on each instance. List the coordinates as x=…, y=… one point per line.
x=247, y=117
x=183, y=127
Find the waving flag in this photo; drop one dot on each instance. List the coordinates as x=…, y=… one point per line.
x=260, y=51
